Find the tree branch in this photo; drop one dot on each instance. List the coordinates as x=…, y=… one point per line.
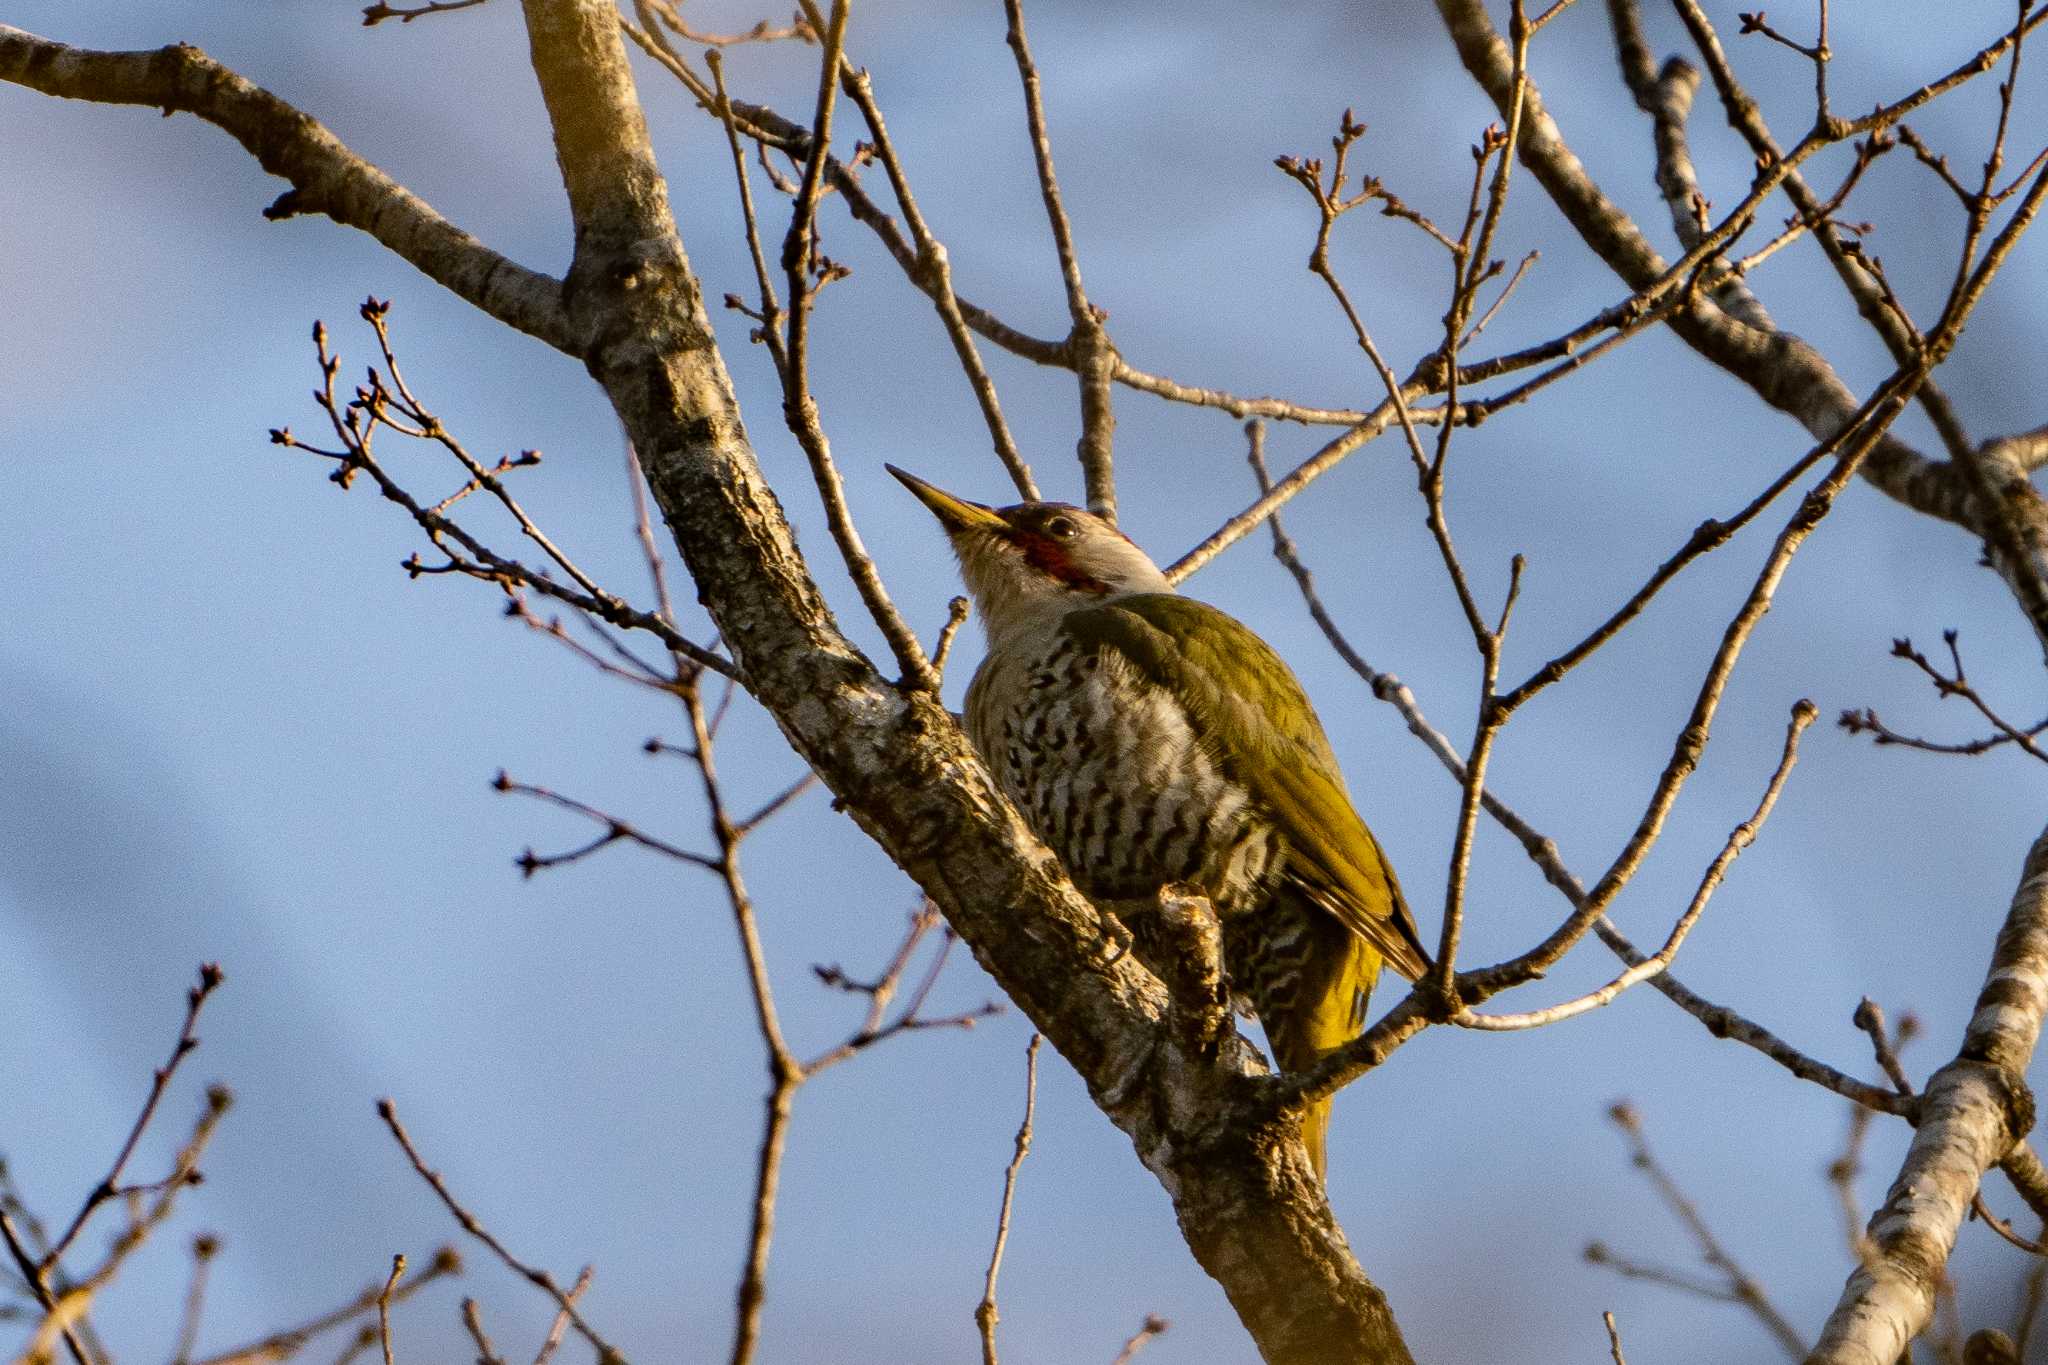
x=1246, y=1199
x=1785, y=372
x=326, y=177
x=1973, y=1112
x=1088, y=347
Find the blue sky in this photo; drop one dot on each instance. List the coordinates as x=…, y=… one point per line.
x=231, y=728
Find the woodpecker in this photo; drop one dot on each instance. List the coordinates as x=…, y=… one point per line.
x=1151, y=740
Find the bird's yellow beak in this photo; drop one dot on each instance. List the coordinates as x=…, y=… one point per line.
x=955, y=514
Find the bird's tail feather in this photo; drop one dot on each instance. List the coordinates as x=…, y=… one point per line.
x=1326, y=1010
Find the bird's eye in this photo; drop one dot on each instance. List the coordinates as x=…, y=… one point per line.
x=1061, y=528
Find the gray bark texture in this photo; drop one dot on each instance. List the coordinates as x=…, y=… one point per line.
x=1977, y=1110
x=1195, y=1099
x=1246, y=1201
x=1974, y=1112
x=2007, y=513
x=1198, y=1108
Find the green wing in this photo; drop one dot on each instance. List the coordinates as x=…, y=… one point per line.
x=1251, y=714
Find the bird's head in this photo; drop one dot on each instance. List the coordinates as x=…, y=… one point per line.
x=1036, y=560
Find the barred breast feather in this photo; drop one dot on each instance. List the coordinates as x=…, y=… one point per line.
x=1108, y=770
x=1113, y=733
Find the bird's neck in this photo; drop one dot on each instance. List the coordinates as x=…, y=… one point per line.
x=1011, y=620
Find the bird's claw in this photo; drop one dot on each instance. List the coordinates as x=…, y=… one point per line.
x=1120, y=937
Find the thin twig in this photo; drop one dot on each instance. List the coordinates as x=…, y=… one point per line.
x=384, y=1305
x=1708, y=536
x=985, y=1315
x=1738, y=840
x=72, y=1303
x=1869, y=1017
x=1856, y=271
x=1956, y=683
x=283, y=1345
x=32, y=1275
x=1741, y=1285
x=1719, y=1020
x=561, y=1322
x=204, y=1247
x=800, y=408
x=1371, y=1048
x=210, y=978
x=354, y=427
x=937, y=280
x=376, y=400
x=2003, y=1228
x=1685, y=1282
x=379, y=12
x=956, y=617
x=1087, y=345
x=1865, y=721
x=43, y=1273
x=615, y=831
x=775, y=804
x=797, y=29
x=770, y=314
x=473, y=1322
x=1153, y=1326
x=470, y=1224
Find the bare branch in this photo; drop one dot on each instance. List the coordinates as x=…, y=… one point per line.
x=800, y=409
x=1741, y=1287
x=1956, y=684
x=1738, y=839
x=615, y=830
x=1088, y=346
x=326, y=177
x=1153, y=1326
x=355, y=423
x=376, y=14
x=561, y=1322
x=1870, y=1018
x=384, y=1306
x=545, y=1282
x=937, y=281
x=985, y=1315
x=68, y=1309
x=204, y=1247
x=1974, y=1111
x=798, y=29
x=472, y=1321
x=283, y=1345
x=1719, y=1020
x=210, y=978
x=1851, y=266
x=1783, y=371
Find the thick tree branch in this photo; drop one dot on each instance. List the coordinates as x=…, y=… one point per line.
x=1746, y=118
x=1247, y=1202
x=326, y=177
x=1784, y=371
x=1972, y=1114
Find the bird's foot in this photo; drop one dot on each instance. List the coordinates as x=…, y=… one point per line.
x=1440, y=1000
x=1120, y=937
